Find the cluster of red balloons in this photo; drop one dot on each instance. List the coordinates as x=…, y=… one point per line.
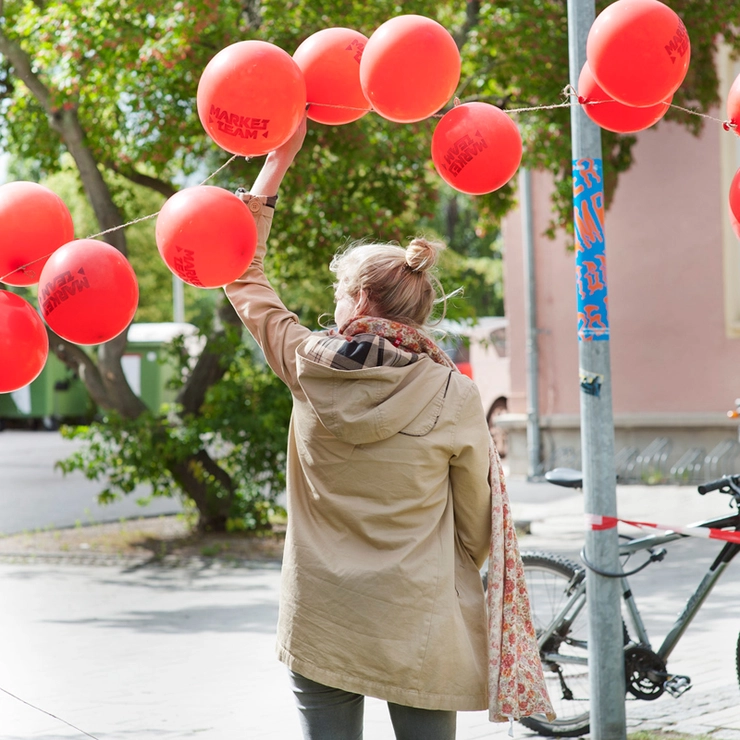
x=252, y=95
x=87, y=290
x=638, y=54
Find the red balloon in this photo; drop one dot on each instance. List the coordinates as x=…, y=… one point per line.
x=251, y=98
x=24, y=345
x=410, y=68
x=88, y=292
x=206, y=235
x=476, y=148
x=613, y=116
x=33, y=223
x=330, y=62
x=735, y=196
x=733, y=104
x=638, y=51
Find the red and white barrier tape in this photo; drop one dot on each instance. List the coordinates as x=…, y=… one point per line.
x=597, y=522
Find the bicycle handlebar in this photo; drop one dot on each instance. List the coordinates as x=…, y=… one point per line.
x=728, y=482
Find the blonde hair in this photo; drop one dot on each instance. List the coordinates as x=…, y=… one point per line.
x=398, y=283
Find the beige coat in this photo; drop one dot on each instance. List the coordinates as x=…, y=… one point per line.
x=389, y=517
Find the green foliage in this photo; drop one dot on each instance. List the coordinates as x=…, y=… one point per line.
x=474, y=260
x=242, y=425
x=129, y=72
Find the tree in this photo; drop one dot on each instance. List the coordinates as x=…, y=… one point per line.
x=112, y=84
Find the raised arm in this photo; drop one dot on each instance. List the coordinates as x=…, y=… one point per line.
x=275, y=329
x=277, y=164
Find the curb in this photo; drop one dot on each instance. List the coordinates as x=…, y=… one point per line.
x=131, y=562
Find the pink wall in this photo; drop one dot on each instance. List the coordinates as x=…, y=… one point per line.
x=669, y=348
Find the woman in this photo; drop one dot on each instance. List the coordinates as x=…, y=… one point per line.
x=389, y=499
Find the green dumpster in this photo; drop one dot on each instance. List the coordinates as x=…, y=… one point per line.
x=57, y=395
x=146, y=364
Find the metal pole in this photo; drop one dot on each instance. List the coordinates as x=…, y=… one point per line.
x=178, y=300
x=530, y=308
x=605, y=648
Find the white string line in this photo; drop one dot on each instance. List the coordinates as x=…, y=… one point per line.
x=153, y=215
x=122, y=226
x=568, y=91
x=53, y=716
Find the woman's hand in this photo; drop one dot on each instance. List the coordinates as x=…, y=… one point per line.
x=278, y=162
x=293, y=145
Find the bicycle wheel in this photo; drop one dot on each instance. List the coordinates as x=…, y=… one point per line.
x=565, y=654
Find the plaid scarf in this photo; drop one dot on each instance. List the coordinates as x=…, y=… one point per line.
x=363, y=342
x=516, y=684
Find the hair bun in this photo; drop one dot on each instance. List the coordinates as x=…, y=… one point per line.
x=422, y=254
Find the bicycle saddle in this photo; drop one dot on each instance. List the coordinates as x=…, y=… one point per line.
x=566, y=477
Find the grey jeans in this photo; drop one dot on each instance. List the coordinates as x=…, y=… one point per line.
x=333, y=714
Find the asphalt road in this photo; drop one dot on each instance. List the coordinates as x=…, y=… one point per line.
x=35, y=495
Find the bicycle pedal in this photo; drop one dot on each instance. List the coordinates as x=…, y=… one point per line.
x=677, y=685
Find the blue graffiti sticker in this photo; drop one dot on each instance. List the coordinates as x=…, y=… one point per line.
x=588, y=213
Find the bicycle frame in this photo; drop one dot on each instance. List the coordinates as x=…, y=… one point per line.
x=577, y=600
x=695, y=601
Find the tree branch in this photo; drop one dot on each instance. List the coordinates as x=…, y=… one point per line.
x=139, y=178
x=252, y=13
x=78, y=360
x=22, y=65
x=208, y=370
x=472, y=15
x=66, y=123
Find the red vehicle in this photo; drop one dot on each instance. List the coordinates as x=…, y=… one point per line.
x=480, y=351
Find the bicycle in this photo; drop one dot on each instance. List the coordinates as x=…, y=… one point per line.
x=557, y=593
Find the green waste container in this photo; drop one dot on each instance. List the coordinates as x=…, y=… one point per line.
x=146, y=364
x=59, y=396
x=56, y=396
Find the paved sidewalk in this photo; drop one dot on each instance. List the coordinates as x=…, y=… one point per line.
x=131, y=652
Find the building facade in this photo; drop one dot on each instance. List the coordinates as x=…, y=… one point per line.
x=673, y=266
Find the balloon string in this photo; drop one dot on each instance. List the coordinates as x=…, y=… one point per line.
x=115, y=228
x=154, y=215
x=23, y=268
x=43, y=711
x=568, y=92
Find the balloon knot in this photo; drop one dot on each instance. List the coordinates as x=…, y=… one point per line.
x=729, y=125
x=456, y=102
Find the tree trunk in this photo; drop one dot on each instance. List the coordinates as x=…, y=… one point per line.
x=105, y=380
x=192, y=474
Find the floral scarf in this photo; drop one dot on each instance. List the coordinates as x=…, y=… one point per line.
x=516, y=684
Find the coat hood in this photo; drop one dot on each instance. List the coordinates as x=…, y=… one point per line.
x=370, y=404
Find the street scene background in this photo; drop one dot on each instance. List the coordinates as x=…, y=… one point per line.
x=150, y=651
